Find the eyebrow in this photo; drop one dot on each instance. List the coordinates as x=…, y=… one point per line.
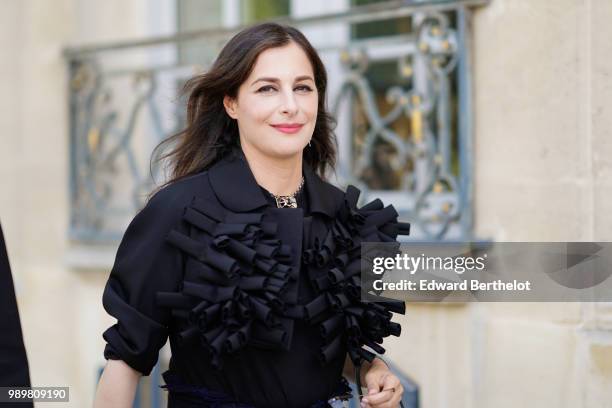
x=276, y=80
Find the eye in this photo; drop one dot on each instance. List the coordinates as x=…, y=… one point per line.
x=304, y=88
x=266, y=89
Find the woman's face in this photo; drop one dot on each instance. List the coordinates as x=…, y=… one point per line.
x=276, y=107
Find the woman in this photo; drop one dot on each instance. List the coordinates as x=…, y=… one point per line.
x=247, y=260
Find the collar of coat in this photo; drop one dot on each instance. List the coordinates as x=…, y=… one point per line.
x=232, y=180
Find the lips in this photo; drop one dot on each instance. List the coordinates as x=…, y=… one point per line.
x=288, y=127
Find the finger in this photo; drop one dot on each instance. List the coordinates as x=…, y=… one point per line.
x=377, y=383
x=370, y=391
x=373, y=385
x=378, y=398
x=390, y=381
x=391, y=402
x=383, y=379
x=365, y=405
x=397, y=397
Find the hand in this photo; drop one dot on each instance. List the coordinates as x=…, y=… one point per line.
x=384, y=388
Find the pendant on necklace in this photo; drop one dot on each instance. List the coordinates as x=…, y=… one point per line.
x=286, y=201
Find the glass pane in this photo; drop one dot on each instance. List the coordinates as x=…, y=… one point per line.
x=197, y=15
x=379, y=28
x=259, y=10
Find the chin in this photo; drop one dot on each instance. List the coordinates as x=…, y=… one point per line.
x=285, y=146
x=284, y=149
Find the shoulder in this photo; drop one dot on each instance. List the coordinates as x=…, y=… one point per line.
x=335, y=193
x=331, y=189
x=181, y=191
x=324, y=197
x=166, y=206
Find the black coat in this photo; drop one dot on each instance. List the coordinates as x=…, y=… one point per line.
x=211, y=263
x=13, y=360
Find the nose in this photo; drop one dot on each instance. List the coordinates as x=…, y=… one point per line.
x=289, y=104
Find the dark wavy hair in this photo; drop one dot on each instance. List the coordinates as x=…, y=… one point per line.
x=210, y=133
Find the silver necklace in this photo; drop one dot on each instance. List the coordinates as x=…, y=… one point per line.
x=288, y=201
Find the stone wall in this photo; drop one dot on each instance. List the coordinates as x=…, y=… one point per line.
x=542, y=77
x=60, y=307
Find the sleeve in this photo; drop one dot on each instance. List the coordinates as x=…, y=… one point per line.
x=145, y=264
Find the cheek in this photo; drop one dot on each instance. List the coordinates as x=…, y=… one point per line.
x=257, y=109
x=310, y=106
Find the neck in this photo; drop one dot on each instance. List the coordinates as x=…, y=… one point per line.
x=278, y=175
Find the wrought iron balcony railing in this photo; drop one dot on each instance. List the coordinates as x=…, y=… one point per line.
x=402, y=100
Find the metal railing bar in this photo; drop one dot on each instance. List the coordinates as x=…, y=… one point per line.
x=401, y=45
x=358, y=14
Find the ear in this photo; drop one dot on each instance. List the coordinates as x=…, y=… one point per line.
x=230, y=106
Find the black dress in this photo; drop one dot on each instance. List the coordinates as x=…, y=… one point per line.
x=14, y=370
x=261, y=304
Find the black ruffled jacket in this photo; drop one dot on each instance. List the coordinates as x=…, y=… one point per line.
x=211, y=264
